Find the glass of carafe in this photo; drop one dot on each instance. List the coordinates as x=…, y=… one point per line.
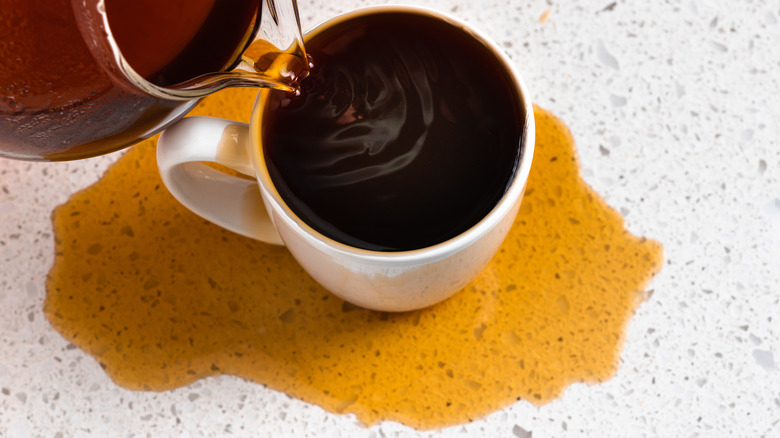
x=80, y=78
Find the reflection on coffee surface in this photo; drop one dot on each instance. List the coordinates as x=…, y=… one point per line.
x=406, y=134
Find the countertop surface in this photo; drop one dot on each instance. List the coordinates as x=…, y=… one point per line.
x=674, y=109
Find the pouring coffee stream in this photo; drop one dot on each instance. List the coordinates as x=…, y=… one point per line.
x=126, y=69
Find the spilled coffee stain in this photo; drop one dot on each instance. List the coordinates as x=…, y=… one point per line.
x=162, y=298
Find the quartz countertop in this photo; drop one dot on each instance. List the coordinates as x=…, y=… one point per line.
x=674, y=108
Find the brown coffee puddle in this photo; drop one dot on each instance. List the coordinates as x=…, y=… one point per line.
x=162, y=298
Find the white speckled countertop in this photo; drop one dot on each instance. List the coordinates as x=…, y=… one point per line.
x=674, y=106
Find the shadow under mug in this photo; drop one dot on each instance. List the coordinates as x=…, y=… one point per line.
x=386, y=281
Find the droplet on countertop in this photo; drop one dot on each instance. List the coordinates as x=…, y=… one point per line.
x=545, y=15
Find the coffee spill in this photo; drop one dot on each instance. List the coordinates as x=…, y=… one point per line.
x=162, y=298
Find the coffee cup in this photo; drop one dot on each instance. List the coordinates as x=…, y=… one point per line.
x=261, y=202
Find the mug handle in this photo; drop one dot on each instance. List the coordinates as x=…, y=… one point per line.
x=230, y=201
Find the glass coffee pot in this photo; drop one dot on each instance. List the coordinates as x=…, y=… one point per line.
x=80, y=78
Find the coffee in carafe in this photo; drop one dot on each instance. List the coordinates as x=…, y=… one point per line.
x=82, y=78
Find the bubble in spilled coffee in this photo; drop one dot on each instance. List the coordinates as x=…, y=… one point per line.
x=162, y=298
x=407, y=132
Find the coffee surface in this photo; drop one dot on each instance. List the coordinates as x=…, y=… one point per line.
x=406, y=134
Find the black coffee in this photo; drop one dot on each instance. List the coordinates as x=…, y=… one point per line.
x=405, y=135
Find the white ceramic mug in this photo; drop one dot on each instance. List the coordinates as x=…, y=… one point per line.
x=388, y=281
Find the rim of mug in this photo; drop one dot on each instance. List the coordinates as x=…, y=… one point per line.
x=513, y=193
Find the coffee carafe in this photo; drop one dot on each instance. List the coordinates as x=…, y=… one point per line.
x=80, y=78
